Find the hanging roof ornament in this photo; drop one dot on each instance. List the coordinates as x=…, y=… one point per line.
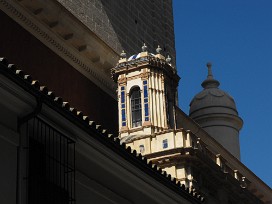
x=144, y=48
x=158, y=50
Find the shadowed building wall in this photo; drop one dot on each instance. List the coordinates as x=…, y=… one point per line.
x=51, y=70
x=127, y=24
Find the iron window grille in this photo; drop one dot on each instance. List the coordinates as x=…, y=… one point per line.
x=51, y=164
x=136, y=107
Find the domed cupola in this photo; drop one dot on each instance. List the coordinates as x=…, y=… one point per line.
x=215, y=111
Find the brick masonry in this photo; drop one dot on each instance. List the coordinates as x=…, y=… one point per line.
x=126, y=24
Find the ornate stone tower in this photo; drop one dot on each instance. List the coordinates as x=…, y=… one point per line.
x=147, y=86
x=152, y=124
x=215, y=111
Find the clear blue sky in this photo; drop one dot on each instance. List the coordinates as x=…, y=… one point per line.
x=236, y=36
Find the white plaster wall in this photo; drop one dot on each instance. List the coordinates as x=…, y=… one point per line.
x=147, y=131
x=181, y=173
x=137, y=143
x=158, y=145
x=146, y=142
x=171, y=170
x=179, y=139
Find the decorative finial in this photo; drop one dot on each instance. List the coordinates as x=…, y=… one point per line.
x=210, y=82
x=210, y=75
x=168, y=59
x=144, y=48
x=158, y=50
x=123, y=54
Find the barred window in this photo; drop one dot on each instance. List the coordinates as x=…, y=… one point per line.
x=51, y=170
x=136, y=107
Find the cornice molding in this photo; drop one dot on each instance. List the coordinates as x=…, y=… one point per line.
x=57, y=44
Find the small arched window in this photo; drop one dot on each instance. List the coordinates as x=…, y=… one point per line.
x=136, y=107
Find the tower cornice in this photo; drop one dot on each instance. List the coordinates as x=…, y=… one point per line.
x=150, y=61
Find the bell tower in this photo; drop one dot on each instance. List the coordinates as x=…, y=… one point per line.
x=147, y=87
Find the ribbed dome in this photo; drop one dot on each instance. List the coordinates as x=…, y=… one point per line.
x=211, y=99
x=215, y=111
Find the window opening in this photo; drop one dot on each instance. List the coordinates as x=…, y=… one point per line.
x=165, y=144
x=136, y=107
x=51, y=168
x=142, y=148
x=146, y=108
x=123, y=106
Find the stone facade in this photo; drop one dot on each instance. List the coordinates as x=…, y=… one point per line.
x=125, y=25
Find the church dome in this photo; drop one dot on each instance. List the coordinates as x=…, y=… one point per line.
x=211, y=99
x=215, y=111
